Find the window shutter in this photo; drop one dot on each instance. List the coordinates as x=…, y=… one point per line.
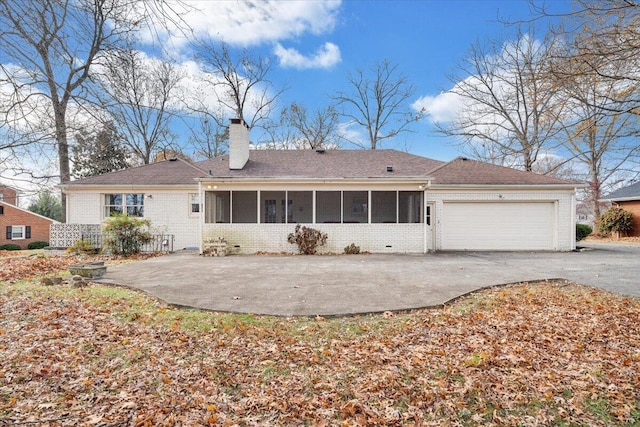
x=27, y=232
x=8, y=232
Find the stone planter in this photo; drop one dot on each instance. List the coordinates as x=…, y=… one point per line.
x=90, y=270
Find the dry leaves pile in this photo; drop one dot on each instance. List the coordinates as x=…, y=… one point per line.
x=530, y=354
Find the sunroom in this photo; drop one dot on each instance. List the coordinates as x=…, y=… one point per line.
x=377, y=220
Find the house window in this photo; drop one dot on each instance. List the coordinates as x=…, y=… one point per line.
x=1, y=210
x=194, y=203
x=18, y=232
x=130, y=203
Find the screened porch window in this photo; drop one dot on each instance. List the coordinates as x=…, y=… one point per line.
x=280, y=207
x=245, y=207
x=328, y=206
x=217, y=207
x=409, y=206
x=383, y=206
x=355, y=206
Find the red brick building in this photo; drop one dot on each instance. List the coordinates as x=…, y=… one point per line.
x=20, y=226
x=628, y=198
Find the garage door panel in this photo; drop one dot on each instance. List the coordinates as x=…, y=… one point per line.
x=498, y=226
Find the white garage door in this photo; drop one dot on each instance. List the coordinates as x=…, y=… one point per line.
x=498, y=226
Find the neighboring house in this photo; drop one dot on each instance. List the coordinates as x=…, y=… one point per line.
x=20, y=226
x=381, y=200
x=628, y=198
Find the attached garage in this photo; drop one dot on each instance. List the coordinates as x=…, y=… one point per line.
x=499, y=225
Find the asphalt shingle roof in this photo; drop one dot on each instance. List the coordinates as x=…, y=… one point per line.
x=166, y=172
x=331, y=164
x=326, y=165
x=629, y=192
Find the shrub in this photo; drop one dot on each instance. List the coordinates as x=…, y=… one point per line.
x=352, y=249
x=38, y=244
x=582, y=231
x=10, y=247
x=615, y=220
x=126, y=235
x=81, y=247
x=307, y=239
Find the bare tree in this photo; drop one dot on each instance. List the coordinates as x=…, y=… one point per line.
x=54, y=44
x=315, y=130
x=604, y=36
x=210, y=136
x=378, y=102
x=597, y=136
x=141, y=96
x=511, y=112
x=241, y=82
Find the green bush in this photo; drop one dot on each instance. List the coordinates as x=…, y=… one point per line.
x=352, y=249
x=307, y=239
x=38, y=244
x=582, y=231
x=10, y=247
x=615, y=220
x=126, y=235
x=81, y=247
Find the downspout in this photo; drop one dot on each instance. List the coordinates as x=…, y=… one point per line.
x=425, y=246
x=201, y=217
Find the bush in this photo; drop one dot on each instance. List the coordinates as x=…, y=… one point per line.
x=10, y=247
x=582, y=231
x=615, y=220
x=81, y=247
x=126, y=235
x=352, y=249
x=38, y=244
x=307, y=239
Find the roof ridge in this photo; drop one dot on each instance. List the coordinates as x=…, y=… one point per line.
x=444, y=165
x=191, y=164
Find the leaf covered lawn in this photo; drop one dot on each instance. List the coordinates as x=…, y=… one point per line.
x=522, y=355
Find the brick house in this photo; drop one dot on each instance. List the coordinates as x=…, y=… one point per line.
x=20, y=226
x=628, y=198
x=381, y=200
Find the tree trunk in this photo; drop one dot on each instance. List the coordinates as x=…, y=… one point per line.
x=63, y=155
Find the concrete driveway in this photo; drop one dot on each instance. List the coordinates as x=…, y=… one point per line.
x=349, y=284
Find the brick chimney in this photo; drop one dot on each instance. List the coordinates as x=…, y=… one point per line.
x=8, y=195
x=238, y=144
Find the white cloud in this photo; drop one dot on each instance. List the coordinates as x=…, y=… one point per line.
x=326, y=56
x=246, y=23
x=442, y=108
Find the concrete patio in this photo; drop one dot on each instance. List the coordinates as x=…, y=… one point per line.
x=298, y=285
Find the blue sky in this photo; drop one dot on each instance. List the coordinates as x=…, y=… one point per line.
x=318, y=43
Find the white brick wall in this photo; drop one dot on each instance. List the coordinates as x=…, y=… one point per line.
x=168, y=211
x=84, y=208
x=376, y=238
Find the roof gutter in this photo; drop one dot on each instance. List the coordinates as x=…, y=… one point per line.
x=506, y=186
